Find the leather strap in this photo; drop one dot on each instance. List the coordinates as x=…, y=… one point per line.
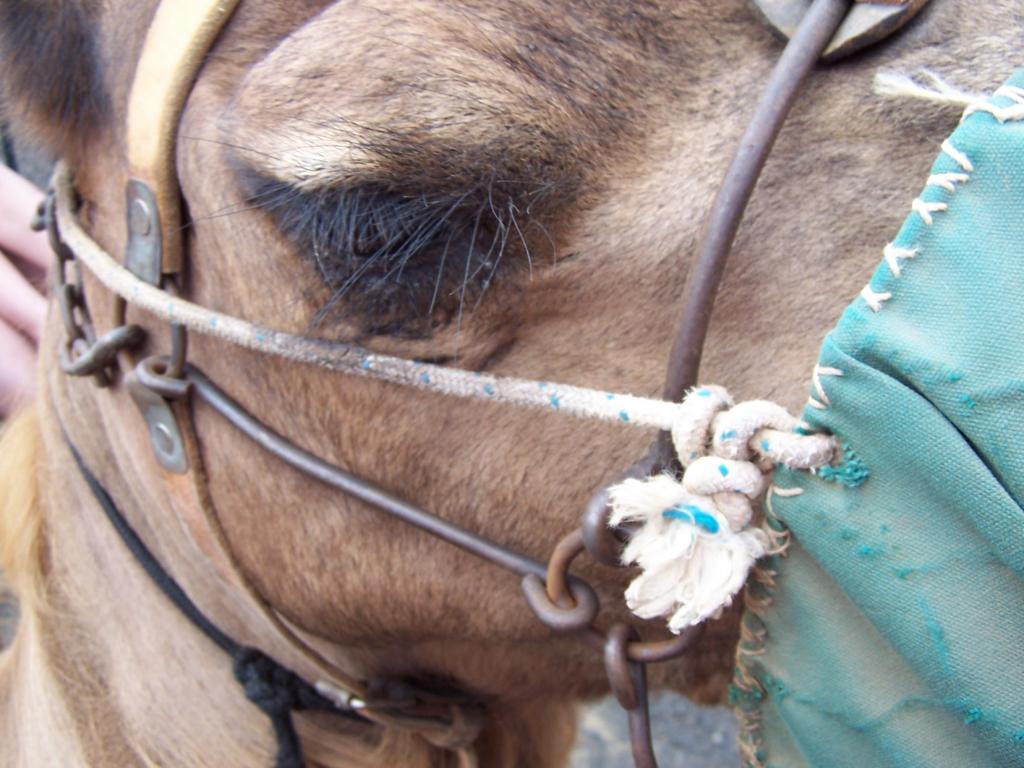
x=446, y=724
x=191, y=503
x=180, y=35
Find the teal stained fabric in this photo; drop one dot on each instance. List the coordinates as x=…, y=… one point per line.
x=894, y=634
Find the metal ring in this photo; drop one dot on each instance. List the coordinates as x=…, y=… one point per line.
x=603, y=542
x=179, y=337
x=77, y=359
x=664, y=650
x=651, y=651
x=68, y=297
x=73, y=351
x=179, y=351
x=619, y=667
x=153, y=373
x=562, y=555
x=628, y=681
x=600, y=540
x=61, y=252
x=556, y=617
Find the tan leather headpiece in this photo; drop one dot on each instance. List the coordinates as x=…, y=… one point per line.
x=180, y=35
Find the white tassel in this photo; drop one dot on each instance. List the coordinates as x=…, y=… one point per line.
x=695, y=546
x=693, y=561
x=715, y=573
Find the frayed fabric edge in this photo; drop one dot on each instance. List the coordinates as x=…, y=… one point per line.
x=746, y=693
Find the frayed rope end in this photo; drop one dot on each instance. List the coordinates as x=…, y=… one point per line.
x=895, y=85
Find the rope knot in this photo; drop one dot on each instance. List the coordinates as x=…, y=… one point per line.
x=266, y=683
x=277, y=692
x=696, y=543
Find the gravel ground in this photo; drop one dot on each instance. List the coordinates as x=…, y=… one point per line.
x=685, y=735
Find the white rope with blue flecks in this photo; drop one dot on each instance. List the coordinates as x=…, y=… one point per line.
x=564, y=398
x=696, y=543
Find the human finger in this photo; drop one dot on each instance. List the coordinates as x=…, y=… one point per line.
x=17, y=369
x=19, y=199
x=21, y=305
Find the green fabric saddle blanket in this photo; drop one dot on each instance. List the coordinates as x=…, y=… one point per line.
x=891, y=632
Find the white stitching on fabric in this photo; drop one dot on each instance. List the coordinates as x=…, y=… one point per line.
x=822, y=401
x=947, y=181
x=1014, y=111
x=785, y=492
x=819, y=371
x=893, y=253
x=925, y=209
x=874, y=299
x=958, y=157
x=1014, y=92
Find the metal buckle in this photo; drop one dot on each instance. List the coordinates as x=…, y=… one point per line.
x=164, y=435
x=144, y=253
x=866, y=23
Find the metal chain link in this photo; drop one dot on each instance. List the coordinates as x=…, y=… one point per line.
x=83, y=353
x=566, y=603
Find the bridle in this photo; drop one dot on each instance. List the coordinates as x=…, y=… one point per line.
x=179, y=36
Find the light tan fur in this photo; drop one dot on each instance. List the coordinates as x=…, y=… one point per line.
x=632, y=110
x=21, y=537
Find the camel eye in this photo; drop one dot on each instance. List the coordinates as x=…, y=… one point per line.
x=398, y=263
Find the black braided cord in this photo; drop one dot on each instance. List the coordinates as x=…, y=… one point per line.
x=273, y=688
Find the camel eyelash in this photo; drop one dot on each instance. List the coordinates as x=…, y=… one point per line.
x=399, y=263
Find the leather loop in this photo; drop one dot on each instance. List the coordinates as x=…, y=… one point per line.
x=180, y=35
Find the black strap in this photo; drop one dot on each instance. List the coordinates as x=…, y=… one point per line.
x=275, y=689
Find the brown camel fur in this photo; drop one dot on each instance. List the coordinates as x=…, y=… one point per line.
x=576, y=146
